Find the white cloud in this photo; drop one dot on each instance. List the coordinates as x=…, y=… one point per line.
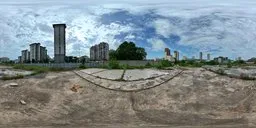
x=157, y=44
x=228, y=26
x=165, y=28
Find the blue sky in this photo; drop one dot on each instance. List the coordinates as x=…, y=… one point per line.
x=226, y=28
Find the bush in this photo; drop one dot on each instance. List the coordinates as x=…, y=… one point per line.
x=38, y=69
x=148, y=65
x=19, y=76
x=82, y=66
x=113, y=64
x=166, y=63
x=221, y=72
x=245, y=76
x=229, y=65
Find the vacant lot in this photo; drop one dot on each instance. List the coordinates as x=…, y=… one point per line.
x=195, y=97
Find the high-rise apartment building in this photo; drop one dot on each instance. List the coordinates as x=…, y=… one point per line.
x=99, y=52
x=59, y=43
x=168, y=55
x=35, y=52
x=185, y=58
x=167, y=52
x=104, y=51
x=19, y=59
x=201, y=56
x=92, y=53
x=176, y=55
x=43, y=54
x=25, y=56
x=208, y=57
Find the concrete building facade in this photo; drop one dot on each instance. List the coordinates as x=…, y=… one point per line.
x=4, y=59
x=103, y=51
x=168, y=55
x=167, y=52
x=19, y=59
x=176, y=55
x=25, y=56
x=43, y=54
x=59, y=42
x=99, y=52
x=201, y=56
x=221, y=59
x=185, y=58
x=92, y=53
x=35, y=52
x=208, y=57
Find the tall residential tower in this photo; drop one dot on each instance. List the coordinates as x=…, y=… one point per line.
x=35, y=52
x=201, y=56
x=59, y=43
x=99, y=52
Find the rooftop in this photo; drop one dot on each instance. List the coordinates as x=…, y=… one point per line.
x=59, y=25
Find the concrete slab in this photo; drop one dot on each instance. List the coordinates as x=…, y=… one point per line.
x=127, y=85
x=110, y=74
x=143, y=74
x=92, y=70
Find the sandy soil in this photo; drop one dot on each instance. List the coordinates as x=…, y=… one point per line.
x=196, y=98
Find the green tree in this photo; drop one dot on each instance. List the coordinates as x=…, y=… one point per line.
x=112, y=54
x=129, y=51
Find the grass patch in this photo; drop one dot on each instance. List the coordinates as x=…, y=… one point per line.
x=39, y=69
x=19, y=76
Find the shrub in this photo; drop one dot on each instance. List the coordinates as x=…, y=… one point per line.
x=165, y=63
x=221, y=72
x=148, y=65
x=82, y=66
x=229, y=65
x=113, y=64
x=245, y=76
x=19, y=76
x=38, y=69
x=126, y=66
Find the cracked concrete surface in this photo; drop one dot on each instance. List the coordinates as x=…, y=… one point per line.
x=195, y=98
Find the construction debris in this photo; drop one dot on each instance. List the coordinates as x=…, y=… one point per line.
x=23, y=102
x=10, y=85
x=75, y=88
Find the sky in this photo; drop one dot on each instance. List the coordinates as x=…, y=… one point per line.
x=220, y=28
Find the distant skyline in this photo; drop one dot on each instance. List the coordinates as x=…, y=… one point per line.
x=221, y=28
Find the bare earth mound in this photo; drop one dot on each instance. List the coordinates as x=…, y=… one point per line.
x=195, y=97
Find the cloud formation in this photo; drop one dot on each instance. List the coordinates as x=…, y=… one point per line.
x=225, y=28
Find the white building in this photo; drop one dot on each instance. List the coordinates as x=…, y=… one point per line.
x=4, y=59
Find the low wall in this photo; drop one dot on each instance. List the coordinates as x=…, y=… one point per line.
x=137, y=62
x=93, y=64
x=66, y=65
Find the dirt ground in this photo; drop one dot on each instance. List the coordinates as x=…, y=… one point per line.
x=196, y=98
